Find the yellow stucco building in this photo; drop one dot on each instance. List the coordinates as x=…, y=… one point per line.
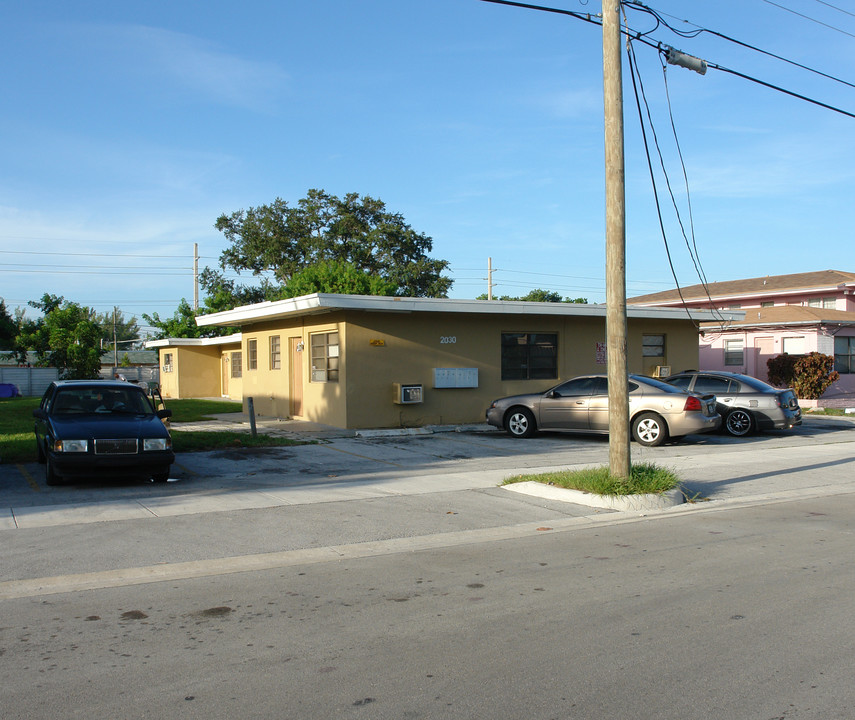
x=358, y=361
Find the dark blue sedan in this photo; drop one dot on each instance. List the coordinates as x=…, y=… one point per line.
x=96, y=427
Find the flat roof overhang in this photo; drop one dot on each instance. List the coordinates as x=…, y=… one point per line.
x=318, y=303
x=233, y=339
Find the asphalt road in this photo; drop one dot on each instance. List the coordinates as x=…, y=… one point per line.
x=392, y=578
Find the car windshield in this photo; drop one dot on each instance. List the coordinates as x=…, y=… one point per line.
x=84, y=400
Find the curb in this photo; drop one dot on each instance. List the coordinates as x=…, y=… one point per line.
x=642, y=503
x=424, y=430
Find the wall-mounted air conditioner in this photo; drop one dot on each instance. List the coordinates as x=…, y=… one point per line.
x=407, y=394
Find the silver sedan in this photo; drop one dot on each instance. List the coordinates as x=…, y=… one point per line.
x=581, y=405
x=746, y=403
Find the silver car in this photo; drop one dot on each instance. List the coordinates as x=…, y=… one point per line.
x=746, y=403
x=581, y=405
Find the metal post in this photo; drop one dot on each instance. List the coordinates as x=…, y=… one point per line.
x=251, y=409
x=619, y=453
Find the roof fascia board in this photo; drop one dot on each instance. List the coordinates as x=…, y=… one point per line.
x=752, y=294
x=792, y=323
x=327, y=302
x=195, y=342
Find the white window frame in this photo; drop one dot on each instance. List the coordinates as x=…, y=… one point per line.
x=275, y=353
x=252, y=354
x=734, y=352
x=324, y=351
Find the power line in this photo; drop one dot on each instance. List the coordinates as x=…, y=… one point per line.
x=834, y=7
x=811, y=19
x=90, y=272
x=79, y=254
x=148, y=270
x=641, y=37
x=791, y=93
x=639, y=6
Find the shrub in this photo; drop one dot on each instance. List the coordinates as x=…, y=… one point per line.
x=809, y=375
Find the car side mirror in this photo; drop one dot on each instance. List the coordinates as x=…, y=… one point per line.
x=164, y=413
x=552, y=394
x=40, y=414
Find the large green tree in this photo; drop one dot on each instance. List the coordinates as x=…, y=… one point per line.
x=284, y=240
x=125, y=329
x=224, y=294
x=335, y=276
x=65, y=337
x=8, y=328
x=182, y=324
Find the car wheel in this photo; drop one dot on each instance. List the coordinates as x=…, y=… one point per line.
x=649, y=429
x=519, y=422
x=161, y=476
x=51, y=478
x=739, y=423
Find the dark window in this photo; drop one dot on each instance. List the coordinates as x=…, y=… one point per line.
x=529, y=356
x=844, y=355
x=710, y=384
x=680, y=382
x=583, y=386
x=653, y=345
x=237, y=365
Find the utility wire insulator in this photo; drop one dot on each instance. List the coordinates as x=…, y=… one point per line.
x=675, y=57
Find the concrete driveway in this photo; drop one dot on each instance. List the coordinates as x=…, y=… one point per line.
x=340, y=466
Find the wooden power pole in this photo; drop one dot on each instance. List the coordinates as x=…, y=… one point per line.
x=619, y=454
x=195, y=277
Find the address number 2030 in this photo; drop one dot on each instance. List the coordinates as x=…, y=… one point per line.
x=447, y=340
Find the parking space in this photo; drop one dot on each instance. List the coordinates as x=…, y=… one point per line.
x=382, y=460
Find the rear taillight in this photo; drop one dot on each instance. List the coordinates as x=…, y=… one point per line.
x=692, y=403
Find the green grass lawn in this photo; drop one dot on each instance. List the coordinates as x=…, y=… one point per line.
x=196, y=410
x=17, y=441
x=645, y=478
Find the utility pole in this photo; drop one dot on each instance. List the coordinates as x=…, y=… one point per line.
x=619, y=454
x=195, y=277
x=489, y=278
x=115, y=344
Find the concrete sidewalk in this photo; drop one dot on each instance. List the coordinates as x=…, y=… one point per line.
x=307, y=430
x=395, y=464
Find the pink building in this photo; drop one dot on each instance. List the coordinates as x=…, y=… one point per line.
x=794, y=314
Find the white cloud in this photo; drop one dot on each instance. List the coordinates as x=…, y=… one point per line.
x=783, y=167
x=584, y=103
x=194, y=64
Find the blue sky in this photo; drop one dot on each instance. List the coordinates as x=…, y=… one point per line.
x=127, y=128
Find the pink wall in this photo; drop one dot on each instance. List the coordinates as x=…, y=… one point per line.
x=762, y=345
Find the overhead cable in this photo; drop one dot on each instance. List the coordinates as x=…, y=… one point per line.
x=811, y=19
x=641, y=7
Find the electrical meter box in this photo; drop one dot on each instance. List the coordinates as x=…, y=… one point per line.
x=408, y=394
